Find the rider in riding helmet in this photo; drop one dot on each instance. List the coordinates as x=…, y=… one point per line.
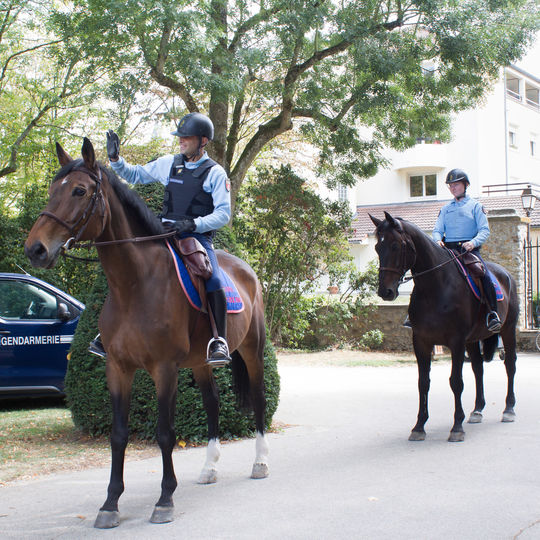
x=462, y=224
x=197, y=202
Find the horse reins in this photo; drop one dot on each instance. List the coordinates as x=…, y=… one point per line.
x=404, y=268
x=89, y=211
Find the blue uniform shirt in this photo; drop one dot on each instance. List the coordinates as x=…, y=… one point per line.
x=460, y=221
x=216, y=183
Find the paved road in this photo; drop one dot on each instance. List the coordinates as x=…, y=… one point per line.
x=343, y=468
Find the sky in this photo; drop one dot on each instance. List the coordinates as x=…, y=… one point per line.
x=531, y=61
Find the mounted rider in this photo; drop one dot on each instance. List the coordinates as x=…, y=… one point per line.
x=197, y=202
x=462, y=225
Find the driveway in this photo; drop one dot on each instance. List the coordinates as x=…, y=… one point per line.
x=341, y=467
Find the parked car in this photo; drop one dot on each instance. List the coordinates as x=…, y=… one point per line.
x=37, y=324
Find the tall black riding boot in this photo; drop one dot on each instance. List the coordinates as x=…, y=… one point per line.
x=218, y=349
x=493, y=322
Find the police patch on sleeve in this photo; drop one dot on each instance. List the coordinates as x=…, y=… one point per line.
x=228, y=185
x=484, y=209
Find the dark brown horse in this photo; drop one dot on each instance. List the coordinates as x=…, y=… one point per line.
x=444, y=311
x=146, y=321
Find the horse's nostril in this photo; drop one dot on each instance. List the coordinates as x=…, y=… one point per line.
x=37, y=252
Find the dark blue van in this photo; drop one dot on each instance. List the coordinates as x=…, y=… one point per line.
x=37, y=324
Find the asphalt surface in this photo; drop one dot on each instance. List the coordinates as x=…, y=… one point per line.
x=341, y=468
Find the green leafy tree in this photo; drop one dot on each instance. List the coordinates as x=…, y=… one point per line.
x=291, y=237
x=329, y=68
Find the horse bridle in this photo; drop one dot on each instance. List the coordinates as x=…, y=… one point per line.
x=89, y=211
x=87, y=214
x=403, y=259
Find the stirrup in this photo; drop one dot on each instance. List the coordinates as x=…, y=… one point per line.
x=96, y=348
x=493, y=322
x=218, y=362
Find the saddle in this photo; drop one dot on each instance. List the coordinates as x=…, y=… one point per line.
x=196, y=260
x=474, y=265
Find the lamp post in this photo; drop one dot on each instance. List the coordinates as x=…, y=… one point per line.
x=527, y=200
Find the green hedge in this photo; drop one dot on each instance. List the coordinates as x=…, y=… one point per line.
x=88, y=397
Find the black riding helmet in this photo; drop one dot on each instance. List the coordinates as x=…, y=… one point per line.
x=195, y=124
x=457, y=175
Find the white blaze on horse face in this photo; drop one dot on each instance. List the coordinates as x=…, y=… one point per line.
x=209, y=472
x=65, y=180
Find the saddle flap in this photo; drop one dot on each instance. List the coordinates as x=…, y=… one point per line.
x=473, y=264
x=195, y=257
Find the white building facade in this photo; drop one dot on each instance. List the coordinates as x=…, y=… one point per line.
x=496, y=144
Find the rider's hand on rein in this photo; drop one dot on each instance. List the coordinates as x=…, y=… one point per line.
x=183, y=226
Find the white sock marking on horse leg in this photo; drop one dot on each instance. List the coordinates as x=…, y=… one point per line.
x=209, y=471
x=260, y=467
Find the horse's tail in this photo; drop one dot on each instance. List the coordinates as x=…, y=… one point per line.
x=489, y=346
x=240, y=379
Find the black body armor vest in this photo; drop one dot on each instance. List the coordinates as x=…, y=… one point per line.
x=184, y=195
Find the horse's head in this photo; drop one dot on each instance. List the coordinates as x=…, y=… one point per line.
x=75, y=211
x=396, y=254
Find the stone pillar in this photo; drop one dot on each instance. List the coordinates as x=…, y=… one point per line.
x=505, y=246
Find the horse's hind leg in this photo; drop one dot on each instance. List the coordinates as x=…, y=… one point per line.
x=509, y=341
x=210, y=396
x=119, y=383
x=166, y=380
x=477, y=364
x=248, y=371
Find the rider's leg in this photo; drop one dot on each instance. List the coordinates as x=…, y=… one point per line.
x=218, y=350
x=493, y=322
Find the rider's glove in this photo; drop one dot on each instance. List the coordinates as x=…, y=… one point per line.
x=183, y=226
x=113, y=145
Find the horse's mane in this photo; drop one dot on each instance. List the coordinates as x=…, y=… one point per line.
x=127, y=196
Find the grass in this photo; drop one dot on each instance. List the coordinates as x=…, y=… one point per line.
x=38, y=437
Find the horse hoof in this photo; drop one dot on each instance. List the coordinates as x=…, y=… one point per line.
x=475, y=418
x=417, y=436
x=162, y=514
x=260, y=470
x=208, y=476
x=107, y=520
x=508, y=416
x=456, y=436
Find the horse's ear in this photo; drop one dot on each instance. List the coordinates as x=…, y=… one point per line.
x=88, y=155
x=393, y=222
x=63, y=157
x=376, y=221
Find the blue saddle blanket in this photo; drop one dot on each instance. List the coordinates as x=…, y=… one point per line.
x=474, y=288
x=234, y=301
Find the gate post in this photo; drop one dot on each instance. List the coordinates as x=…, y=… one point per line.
x=506, y=246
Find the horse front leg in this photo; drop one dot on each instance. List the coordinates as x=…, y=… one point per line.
x=457, y=434
x=166, y=387
x=210, y=396
x=119, y=383
x=477, y=364
x=423, y=360
x=509, y=341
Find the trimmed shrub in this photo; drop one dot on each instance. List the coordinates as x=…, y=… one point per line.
x=88, y=396
x=372, y=339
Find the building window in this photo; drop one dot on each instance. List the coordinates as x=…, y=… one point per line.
x=513, y=86
x=342, y=193
x=533, y=148
x=512, y=139
x=423, y=185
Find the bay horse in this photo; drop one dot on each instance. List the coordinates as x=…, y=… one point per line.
x=146, y=320
x=444, y=311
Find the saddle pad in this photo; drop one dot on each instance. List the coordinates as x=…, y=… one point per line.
x=474, y=288
x=234, y=301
